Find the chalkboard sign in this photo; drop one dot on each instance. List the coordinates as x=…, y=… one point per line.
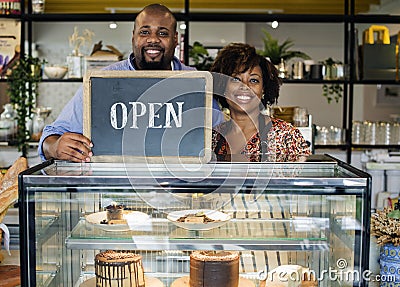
x=152, y=116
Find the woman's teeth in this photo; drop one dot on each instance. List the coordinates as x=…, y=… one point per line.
x=244, y=98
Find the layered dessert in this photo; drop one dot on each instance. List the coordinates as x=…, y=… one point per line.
x=214, y=268
x=115, y=214
x=199, y=217
x=119, y=269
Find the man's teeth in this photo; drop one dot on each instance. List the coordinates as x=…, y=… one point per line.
x=153, y=51
x=243, y=97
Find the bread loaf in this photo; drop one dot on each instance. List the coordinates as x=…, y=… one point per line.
x=2, y=214
x=1, y=255
x=11, y=176
x=8, y=197
x=9, y=183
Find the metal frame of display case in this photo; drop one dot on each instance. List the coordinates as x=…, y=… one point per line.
x=344, y=181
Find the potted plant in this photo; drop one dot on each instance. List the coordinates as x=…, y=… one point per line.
x=332, y=92
x=75, y=59
x=23, y=90
x=200, y=57
x=331, y=69
x=279, y=52
x=385, y=226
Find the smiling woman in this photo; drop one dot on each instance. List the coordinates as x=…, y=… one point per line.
x=245, y=83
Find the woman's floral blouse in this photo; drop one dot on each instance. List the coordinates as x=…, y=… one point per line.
x=284, y=143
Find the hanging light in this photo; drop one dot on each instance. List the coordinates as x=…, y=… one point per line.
x=182, y=26
x=113, y=25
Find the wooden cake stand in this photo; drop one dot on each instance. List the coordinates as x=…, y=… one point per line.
x=149, y=281
x=184, y=282
x=10, y=276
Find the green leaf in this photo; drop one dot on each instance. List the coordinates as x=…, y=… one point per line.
x=23, y=90
x=276, y=52
x=200, y=57
x=332, y=91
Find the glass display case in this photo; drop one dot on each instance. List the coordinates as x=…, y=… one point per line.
x=313, y=214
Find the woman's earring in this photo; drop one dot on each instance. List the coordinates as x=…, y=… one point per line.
x=262, y=96
x=269, y=110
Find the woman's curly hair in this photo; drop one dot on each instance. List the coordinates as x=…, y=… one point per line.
x=237, y=58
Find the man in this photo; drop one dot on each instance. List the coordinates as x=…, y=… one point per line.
x=153, y=43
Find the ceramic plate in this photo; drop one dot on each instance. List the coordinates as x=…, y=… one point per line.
x=219, y=217
x=132, y=217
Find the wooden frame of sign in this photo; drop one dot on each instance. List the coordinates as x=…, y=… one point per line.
x=148, y=116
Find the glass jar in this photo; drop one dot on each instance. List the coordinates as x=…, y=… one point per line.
x=335, y=135
x=38, y=122
x=383, y=133
x=8, y=123
x=395, y=134
x=300, y=117
x=321, y=135
x=38, y=6
x=358, y=132
x=75, y=65
x=371, y=135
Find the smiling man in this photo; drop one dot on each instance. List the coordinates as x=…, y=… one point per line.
x=153, y=43
x=154, y=39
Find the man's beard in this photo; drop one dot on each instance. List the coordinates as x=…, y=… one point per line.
x=152, y=65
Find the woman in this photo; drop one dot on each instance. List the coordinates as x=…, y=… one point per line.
x=251, y=83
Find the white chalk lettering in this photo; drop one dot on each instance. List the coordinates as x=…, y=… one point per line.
x=135, y=114
x=153, y=115
x=119, y=114
x=113, y=116
x=171, y=112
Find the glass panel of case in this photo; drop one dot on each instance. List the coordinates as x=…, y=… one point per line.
x=318, y=227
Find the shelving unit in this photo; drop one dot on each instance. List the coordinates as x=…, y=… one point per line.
x=348, y=19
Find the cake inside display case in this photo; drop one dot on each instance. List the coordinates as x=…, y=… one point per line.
x=198, y=219
x=120, y=268
x=213, y=268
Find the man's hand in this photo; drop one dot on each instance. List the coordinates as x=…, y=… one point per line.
x=70, y=146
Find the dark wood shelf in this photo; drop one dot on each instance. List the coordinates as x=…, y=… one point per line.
x=376, y=82
x=376, y=18
x=191, y=16
x=357, y=146
x=14, y=144
x=376, y=146
x=312, y=81
x=331, y=146
x=265, y=17
x=55, y=80
x=215, y=17
x=78, y=80
x=79, y=17
x=10, y=16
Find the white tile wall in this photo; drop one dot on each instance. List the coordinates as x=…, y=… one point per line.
x=56, y=95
